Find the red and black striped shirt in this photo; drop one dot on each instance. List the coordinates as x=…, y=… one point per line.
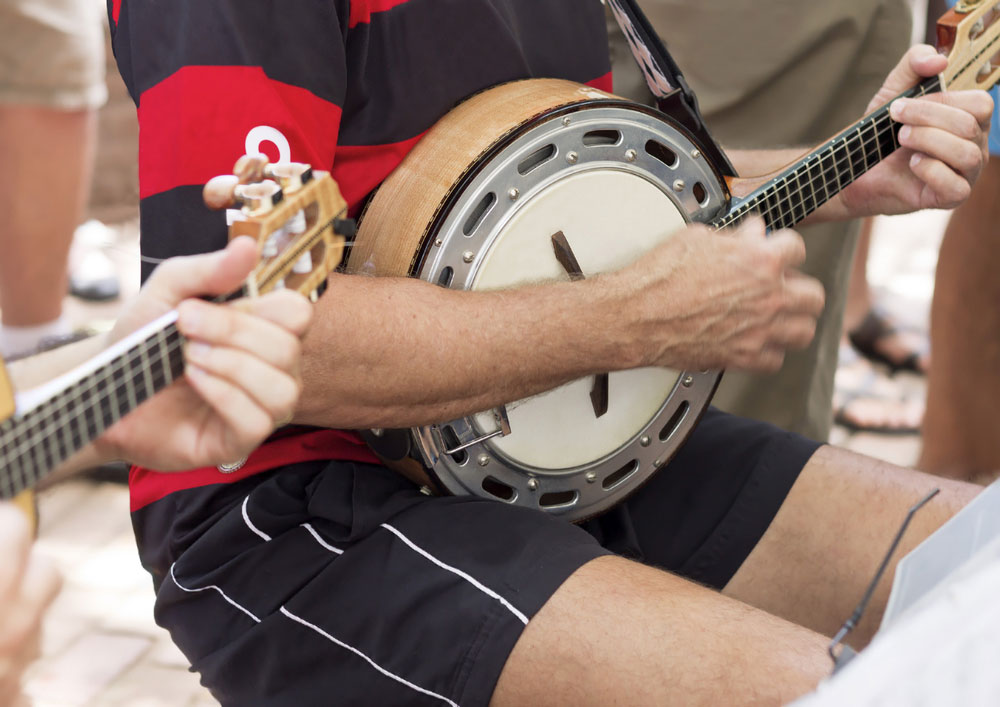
x=346, y=85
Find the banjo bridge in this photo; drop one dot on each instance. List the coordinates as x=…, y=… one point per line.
x=503, y=425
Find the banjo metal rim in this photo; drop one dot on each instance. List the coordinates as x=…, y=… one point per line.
x=582, y=491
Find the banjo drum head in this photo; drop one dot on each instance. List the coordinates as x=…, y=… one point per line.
x=609, y=218
x=616, y=179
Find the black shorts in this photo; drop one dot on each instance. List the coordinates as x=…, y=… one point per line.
x=339, y=583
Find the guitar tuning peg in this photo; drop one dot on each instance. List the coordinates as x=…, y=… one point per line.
x=258, y=198
x=220, y=192
x=250, y=168
x=290, y=175
x=304, y=265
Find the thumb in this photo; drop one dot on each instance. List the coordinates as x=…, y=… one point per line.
x=215, y=273
x=919, y=62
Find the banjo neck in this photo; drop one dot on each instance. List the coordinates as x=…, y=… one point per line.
x=66, y=414
x=801, y=188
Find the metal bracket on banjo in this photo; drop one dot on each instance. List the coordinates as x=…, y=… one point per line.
x=503, y=420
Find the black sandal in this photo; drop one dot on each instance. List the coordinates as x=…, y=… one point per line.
x=873, y=328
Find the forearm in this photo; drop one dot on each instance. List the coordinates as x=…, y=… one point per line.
x=392, y=352
x=760, y=163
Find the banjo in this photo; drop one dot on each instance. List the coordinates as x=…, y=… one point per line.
x=291, y=211
x=557, y=180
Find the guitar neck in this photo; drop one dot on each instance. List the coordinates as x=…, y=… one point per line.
x=816, y=178
x=61, y=417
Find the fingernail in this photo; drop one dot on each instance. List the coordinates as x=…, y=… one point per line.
x=195, y=373
x=916, y=159
x=198, y=351
x=904, y=132
x=896, y=108
x=189, y=316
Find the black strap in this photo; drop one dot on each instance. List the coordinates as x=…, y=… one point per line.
x=665, y=80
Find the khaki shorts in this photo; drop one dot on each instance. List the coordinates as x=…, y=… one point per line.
x=52, y=53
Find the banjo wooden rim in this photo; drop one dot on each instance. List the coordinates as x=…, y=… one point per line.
x=427, y=162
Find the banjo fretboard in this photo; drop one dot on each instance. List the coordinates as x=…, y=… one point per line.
x=76, y=409
x=819, y=176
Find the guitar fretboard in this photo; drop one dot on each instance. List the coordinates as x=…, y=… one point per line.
x=822, y=174
x=32, y=443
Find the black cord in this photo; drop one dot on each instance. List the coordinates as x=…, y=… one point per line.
x=859, y=611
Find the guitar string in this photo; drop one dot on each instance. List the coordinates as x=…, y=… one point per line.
x=43, y=433
x=785, y=206
x=43, y=437
x=104, y=376
x=137, y=351
x=784, y=210
x=50, y=423
x=877, y=122
x=33, y=463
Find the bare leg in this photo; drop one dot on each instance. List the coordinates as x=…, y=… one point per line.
x=620, y=633
x=825, y=544
x=963, y=391
x=44, y=184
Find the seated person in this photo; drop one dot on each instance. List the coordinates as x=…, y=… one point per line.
x=242, y=380
x=336, y=580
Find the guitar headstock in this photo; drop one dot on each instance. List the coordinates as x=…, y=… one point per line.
x=970, y=36
x=296, y=215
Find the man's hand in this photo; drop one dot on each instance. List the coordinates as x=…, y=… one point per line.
x=717, y=300
x=942, y=144
x=28, y=584
x=242, y=375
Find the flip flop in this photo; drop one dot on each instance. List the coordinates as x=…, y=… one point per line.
x=856, y=382
x=841, y=417
x=877, y=326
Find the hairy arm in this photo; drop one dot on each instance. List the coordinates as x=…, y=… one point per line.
x=398, y=352
x=392, y=352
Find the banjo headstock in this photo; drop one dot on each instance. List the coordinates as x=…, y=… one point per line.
x=970, y=37
x=294, y=213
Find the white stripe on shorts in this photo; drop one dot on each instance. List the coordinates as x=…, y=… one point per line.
x=471, y=580
x=321, y=541
x=212, y=586
x=368, y=660
x=254, y=528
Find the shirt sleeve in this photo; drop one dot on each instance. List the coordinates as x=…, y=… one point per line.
x=213, y=80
